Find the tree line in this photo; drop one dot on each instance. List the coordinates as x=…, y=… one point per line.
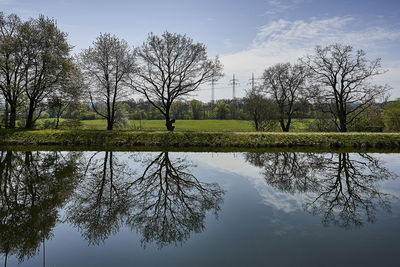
x=38, y=75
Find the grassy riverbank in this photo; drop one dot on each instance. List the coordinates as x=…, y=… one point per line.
x=126, y=139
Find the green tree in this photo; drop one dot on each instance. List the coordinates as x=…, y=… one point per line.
x=262, y=111
x=47, y=62
x=391, y=116
x=178, y=109
x=196, y=107
x=222, y=111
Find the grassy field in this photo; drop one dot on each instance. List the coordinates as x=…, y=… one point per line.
x=188, y=125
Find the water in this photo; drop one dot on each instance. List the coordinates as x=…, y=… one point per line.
x=199, y=209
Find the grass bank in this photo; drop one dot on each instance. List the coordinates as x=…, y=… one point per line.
x=126, y=139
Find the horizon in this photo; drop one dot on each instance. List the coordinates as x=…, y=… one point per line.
x=248, y=37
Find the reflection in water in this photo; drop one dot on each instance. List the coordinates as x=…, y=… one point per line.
x=171, y=202
x=159, y=197
x=33, y=186
x=343, y=188
x=165, y=203
x=102, y=199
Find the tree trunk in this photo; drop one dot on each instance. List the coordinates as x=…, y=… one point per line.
x=29, y=119
x=110, y=124
x=342, y=123
x=288, y=124
x=13, y=115
x=256, y=122
x=58, y=117
x=283, y=127
x=57, y=122
x=168, y=121
x=168, y=124
x=6, y=116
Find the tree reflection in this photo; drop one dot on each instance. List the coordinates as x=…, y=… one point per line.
x=171, y=202
x=33, y=186
x=165, y=203
x=343, y=188
x=103, y=198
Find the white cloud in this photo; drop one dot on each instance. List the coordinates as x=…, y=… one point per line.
x=283, y=40
x=236, y=163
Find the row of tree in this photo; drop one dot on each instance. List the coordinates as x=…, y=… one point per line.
x=37, y=73
x=336, y=80
x=36, y=68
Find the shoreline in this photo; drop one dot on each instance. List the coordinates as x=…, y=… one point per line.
x=125, y=140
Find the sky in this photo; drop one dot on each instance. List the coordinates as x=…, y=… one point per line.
x=248, y=36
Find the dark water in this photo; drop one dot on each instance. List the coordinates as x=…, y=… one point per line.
x=199, y=209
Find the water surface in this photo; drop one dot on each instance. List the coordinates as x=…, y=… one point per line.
x=198, y=209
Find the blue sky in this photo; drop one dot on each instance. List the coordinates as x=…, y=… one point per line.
x=248, y=36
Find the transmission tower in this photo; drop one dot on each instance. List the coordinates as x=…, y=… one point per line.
x=213, y=82
x=253, y=81
x=234, y=82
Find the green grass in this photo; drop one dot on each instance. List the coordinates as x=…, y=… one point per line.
x=187, y=125
x=180, y=125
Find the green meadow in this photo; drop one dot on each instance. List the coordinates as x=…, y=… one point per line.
x=183, y=125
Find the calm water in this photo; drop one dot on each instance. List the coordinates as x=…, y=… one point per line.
x=199, y=209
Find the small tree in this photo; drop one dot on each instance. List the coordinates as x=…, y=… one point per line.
x=196, y=107
x=222, y=111
x=172, y=66
x=262, y=111
x=344, y=78
x=108, y=66
x=285, y=84
x=70, y=91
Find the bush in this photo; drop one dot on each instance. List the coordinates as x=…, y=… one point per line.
x=367, y=123
x=122, y=116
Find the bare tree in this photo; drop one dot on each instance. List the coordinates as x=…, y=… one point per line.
x=11, y=67
x=108, y=65
x=344, y=78
x=285, y=84
x=172, y=66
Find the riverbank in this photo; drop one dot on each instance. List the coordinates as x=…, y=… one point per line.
x=131, y=139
